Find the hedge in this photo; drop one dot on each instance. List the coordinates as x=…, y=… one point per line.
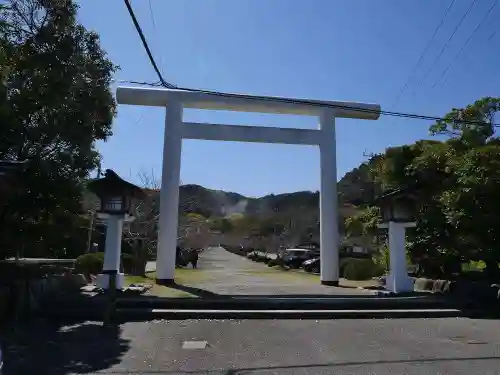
x=361, y=269
x=92, y=263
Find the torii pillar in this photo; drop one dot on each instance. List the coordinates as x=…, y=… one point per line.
x=176, y=129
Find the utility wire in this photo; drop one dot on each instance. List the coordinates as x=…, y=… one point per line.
x=145, y=44
x=447, y=43
x=494, y=33
x=419, y=62
x=326, y=105
x=280, y=100
x=466, y=43
x=151, y=13
x=154, y=84
x=152, y=16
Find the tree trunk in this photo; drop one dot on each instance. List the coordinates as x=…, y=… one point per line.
x=140, y=259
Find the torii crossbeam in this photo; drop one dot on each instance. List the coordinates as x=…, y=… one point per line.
x=176, y=129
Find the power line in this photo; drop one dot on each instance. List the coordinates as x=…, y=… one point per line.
x=281, y=100
x=151, y=13
x=326, y=105
x=152, y=16
x=494, y=33
x=145, y=44
x=155, y=84
x=419, y=62
x=466, y=43
x=447, y=42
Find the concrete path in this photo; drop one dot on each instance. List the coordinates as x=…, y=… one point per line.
x=244, y=347
x=222, y=272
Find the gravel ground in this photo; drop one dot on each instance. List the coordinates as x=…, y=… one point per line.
x=230, y=274
x=400, y=346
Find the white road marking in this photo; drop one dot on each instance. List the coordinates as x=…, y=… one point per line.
x=194, y=344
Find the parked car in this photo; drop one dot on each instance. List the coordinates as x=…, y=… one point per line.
x=312, y=265
x=252, y=255
x=294, y=258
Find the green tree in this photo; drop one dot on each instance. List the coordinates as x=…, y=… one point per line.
x=454, y=185
x=57, y=103
x=472, y=125
x=364, y=223
x=224, y=225
x=472, y=208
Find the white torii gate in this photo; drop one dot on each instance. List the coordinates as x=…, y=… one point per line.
x=176, y=129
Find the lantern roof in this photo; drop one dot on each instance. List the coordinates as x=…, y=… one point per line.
x=112, y=184
x=406, y=191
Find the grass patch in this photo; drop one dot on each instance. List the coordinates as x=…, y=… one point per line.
x=166, y=292
x=288, y=275
x=182, y=276
x=473, y=266
x=186, y=275
x=302, y=277
x=130, y=279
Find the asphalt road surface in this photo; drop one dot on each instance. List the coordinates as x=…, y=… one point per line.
x=385, y=346
x=399, y=346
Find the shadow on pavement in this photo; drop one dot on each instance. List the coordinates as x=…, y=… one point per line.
x=360, y=363
x=202, y=293
x=53, y=348
x=319, y=367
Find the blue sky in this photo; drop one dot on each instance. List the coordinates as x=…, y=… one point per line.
x=353, y=50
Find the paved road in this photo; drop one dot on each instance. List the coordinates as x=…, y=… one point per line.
x=409, y=346
x=226, y=273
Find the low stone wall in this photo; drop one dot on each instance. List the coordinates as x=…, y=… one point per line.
x=460, y=289
x=20, y=298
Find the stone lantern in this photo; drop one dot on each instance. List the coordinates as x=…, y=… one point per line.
x=398, y=208
x=116, y=196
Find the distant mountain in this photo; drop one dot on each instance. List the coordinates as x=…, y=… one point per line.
x=298, y=211
x=356, y=188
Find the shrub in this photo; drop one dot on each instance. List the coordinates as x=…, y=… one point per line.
x=382, y=258
x=128, y=263
x=361, y=269
x=342, y=264
x=90, y=264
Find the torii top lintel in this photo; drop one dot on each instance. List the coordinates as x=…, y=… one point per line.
x=160, y=97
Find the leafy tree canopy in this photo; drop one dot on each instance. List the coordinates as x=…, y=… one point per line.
x=56, y=102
